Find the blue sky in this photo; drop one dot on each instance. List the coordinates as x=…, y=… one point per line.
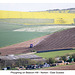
x=35, y=6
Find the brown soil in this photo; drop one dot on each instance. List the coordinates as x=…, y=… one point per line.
x=58, y=40
x=20, y=47
x=67, y=67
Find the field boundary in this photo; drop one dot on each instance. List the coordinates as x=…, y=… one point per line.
x=54, y=50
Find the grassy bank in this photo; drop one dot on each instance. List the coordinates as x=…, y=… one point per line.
x=55, y=53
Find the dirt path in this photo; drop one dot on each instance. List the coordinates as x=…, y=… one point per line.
x=20, y=47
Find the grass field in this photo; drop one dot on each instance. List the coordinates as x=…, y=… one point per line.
x=55, y=53
x=13, y=31
x=9, y=38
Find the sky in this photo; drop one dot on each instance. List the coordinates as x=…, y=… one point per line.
x=34, y=6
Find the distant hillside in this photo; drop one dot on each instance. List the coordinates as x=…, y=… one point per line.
x=69, y=10
x=63, y=9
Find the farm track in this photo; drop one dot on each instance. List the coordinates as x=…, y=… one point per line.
x=20, y=47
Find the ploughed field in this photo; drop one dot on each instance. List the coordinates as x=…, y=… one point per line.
x=59, y=40
x=19, y=48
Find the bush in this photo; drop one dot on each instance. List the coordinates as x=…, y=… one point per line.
x=73, y=56
x=50, y=60
x=33, y=50
x=63, y=58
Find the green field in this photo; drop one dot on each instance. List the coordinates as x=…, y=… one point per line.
x=14, y=31
x=9, y=38
x=55, y=53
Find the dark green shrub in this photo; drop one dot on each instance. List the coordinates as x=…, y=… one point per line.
x=73, y=56
x=33, y=50
x=63, y=58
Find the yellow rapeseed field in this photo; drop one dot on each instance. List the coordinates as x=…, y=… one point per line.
x=59, y=18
